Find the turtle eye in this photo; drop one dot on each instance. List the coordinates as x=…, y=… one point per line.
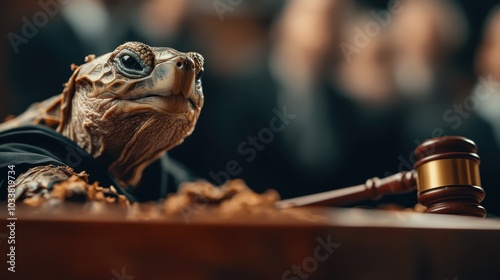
x=130, y=62
x=134, y=60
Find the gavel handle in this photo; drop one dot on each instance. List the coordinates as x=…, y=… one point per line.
x=373, y=189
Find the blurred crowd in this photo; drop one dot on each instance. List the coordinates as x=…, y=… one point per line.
x=301, y=96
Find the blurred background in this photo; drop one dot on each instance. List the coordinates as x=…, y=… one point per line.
x=301, y=96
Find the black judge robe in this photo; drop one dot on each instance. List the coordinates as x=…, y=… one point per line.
x=29, y=146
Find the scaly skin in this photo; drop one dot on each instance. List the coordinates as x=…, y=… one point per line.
x=125, y=108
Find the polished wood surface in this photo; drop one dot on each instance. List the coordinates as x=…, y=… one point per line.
x=364, y=244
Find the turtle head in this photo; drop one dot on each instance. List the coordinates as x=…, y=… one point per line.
x=129, y=106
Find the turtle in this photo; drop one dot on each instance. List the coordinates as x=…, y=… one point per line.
x=124, y=110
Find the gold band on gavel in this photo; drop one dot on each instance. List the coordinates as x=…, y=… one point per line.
x=448, y=172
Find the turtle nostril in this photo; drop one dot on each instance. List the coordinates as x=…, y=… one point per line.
x=186, y=64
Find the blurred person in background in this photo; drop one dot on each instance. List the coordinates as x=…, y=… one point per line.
x=483, y=105
x=303, y=38
x=366, y=75
x=347, y=125
x=476, y=13
x=366, y=85
x=424, y=47
x=488, y=68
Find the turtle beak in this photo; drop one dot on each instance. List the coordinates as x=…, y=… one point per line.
x=172, y=77
x=185, y=72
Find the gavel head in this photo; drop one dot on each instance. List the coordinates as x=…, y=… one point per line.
x=448, y=180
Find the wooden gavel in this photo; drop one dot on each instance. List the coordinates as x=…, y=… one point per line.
x=446, y=175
